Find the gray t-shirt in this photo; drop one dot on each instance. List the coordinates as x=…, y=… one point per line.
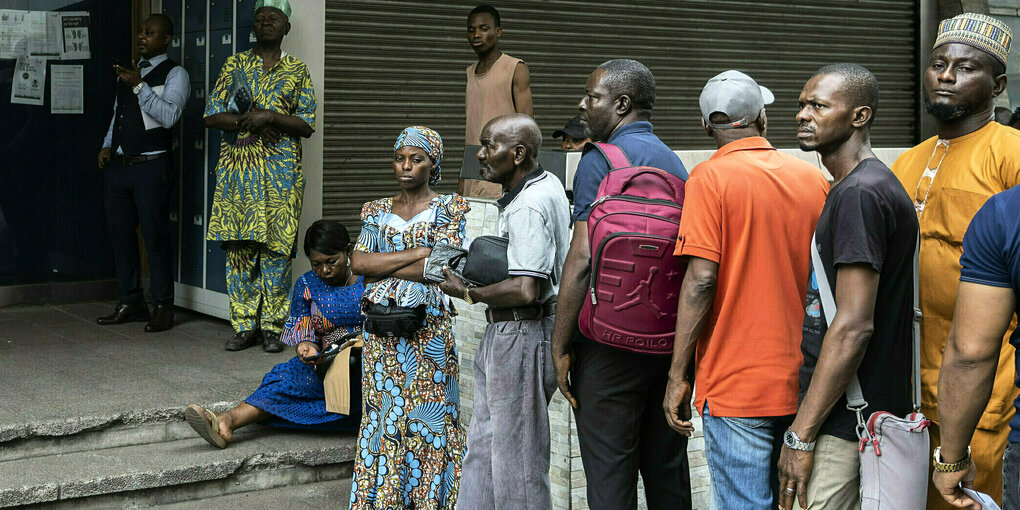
x=535, y=216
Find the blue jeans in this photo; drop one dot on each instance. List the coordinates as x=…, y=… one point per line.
x=742, y=455
x=1011, y=477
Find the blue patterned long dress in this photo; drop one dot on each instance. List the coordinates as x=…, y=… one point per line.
x=411, y=443
x=292, y=391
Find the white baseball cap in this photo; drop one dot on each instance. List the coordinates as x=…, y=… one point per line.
x=735, y=95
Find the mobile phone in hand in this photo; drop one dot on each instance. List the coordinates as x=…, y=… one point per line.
x=329, y=351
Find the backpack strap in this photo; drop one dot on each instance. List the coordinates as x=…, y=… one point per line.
x=613, y=154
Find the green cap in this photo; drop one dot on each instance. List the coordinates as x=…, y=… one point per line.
x=283, y=5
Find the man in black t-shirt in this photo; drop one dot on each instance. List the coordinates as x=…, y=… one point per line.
x=865, y=235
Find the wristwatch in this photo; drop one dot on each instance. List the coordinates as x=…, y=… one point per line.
x=137, y=88
x=467, y=296
x=793, y=442
x=953, y=467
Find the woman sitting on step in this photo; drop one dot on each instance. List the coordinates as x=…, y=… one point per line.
x=301, y=393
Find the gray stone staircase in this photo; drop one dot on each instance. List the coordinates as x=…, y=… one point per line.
x=152, y=458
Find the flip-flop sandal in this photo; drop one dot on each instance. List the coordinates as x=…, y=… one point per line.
x=206, y=424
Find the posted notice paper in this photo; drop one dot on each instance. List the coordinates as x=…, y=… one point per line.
x=14, y=33
x=76, y=35
x=67, y=94
x=45, y=37
x=29, y=81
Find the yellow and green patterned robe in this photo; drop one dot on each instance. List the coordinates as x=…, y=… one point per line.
x=259, y=186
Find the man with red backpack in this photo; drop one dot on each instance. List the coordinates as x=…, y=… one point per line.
x=613, y=382
x=746, y=231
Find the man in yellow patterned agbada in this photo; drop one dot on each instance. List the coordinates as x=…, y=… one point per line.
x=265, y=103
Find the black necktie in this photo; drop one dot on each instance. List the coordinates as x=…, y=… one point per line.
x=142, y=64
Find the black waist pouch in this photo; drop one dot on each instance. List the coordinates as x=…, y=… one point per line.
x=394, y=321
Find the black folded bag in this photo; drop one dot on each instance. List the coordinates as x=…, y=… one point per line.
x=486, y=261
x=444, y=254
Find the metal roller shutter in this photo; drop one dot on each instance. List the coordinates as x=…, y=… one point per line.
x=390, y=64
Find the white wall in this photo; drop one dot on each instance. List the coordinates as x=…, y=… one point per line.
x=307, y=41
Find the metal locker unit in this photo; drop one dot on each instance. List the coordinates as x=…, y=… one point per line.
x=390, y=64
x=175, y=11
x=176, y=49
x=195, y=13
x=221, y=46
x=221, y=15
x=196, y=49
x=208, y=35
x=192, y=192
x=245, y=13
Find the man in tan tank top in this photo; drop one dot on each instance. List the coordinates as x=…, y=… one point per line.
x=497, y=84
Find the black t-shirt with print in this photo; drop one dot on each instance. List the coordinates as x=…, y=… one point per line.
x=868, y=218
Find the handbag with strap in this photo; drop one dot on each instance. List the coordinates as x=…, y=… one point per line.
x=893, y=450
x=487, y=261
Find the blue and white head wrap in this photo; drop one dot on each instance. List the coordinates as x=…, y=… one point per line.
x=427, y=140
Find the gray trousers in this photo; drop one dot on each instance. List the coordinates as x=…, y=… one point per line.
x=507, y=461
x=1011, y=477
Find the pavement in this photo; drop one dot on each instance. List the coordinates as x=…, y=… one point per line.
x=61, y=371
x=91, y=417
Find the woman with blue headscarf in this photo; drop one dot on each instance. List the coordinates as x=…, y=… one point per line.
x=411, y=443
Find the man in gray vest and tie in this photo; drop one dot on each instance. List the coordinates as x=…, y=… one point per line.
x=138, y=174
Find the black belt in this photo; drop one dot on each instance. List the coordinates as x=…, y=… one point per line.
x=134, y=160
x=520, y=313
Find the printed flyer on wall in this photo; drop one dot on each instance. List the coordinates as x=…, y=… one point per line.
x=67, y=89
x=29, y=81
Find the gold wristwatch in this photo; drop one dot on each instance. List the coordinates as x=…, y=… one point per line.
x=943, y=467
x=467, y=296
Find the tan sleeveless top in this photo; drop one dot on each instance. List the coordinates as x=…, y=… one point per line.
x=488, y=96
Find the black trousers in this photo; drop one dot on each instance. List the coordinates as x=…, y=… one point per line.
x=622, y=430
x=139, y=196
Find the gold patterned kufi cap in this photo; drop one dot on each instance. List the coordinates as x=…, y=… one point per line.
x=283, y=5
x=979, y=31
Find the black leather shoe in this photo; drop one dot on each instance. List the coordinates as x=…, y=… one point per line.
x=162, y=319
x=242, y=340
x=271, y=342
x=125, y=313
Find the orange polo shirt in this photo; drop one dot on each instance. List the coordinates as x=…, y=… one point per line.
x=753, y=210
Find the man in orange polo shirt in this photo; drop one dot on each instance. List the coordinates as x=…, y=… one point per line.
x=749, y=213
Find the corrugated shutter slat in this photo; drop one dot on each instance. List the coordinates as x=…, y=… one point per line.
x=390, y=64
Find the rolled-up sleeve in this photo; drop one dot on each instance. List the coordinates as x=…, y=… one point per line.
x=167, y=107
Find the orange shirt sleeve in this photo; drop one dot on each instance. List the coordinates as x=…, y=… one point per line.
x=700, y=232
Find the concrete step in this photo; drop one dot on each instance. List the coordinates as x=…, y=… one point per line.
x=85, y=433
x=312, y=496
x=179, y=470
